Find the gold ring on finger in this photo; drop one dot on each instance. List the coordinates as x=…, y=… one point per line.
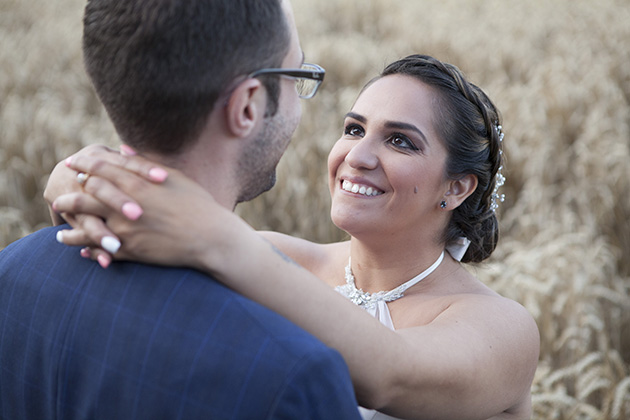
x=82, y=178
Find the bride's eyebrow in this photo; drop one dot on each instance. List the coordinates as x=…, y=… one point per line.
x=357, y=117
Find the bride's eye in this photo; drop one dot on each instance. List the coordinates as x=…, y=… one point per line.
x=353, y=130
x=402, y=142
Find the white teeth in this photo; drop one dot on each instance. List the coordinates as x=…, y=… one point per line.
x=359, y=189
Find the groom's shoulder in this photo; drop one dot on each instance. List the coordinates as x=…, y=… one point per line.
x=42, y=241
x=194, y=297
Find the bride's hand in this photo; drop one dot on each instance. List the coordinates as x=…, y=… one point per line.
x=173, y=211
x=63, y=180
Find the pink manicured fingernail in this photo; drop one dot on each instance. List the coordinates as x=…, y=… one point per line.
x=126, y=150
x=68, y=161
x=132, y=211
x=85, y=252
x=103, y=261
x=158, y=174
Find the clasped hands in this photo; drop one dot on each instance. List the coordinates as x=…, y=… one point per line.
x=128, y=207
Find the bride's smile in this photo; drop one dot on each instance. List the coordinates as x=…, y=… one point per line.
x=360, y=188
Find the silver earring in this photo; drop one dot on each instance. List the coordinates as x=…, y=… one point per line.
x=443, y=204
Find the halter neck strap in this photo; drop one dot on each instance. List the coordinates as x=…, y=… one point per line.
x=368, y=300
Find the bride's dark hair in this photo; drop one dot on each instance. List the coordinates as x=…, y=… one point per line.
x=466, y=121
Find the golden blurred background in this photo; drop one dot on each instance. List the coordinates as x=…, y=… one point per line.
x=559, y=70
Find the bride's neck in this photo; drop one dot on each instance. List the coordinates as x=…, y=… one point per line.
x=378, y=266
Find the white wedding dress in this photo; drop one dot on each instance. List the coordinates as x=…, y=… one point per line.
x=376, y=305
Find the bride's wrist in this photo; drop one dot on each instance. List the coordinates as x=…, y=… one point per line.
x=222, y=244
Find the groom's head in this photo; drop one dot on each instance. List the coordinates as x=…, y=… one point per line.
x=160, y=66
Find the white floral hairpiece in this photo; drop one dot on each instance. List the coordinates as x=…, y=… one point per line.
x=497, y=198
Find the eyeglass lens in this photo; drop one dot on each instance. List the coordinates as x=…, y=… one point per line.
x=307, y=87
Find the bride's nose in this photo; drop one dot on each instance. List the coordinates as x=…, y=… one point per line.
x=363, y=155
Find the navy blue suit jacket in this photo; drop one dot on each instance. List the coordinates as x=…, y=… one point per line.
x=145, y=342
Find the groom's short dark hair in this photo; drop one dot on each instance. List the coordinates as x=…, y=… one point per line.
x=159, y=66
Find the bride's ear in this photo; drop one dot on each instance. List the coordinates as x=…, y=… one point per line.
x=245, y=108
x=460, y=189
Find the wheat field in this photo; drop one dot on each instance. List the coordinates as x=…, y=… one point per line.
x=558, y=70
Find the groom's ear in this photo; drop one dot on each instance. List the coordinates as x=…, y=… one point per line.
x=460, y=189
x=245, y=108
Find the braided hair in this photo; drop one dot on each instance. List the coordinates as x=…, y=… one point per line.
x=469, y=125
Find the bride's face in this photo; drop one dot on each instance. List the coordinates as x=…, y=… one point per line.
x=386, y=172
